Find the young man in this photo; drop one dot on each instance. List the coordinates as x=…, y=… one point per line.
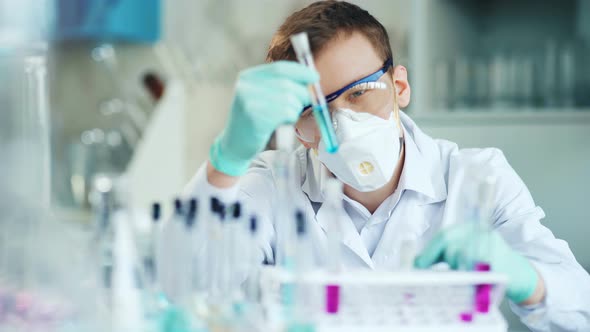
x=410, y=182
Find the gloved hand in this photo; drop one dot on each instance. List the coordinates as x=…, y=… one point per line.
x=266, y=96
x=465, y=243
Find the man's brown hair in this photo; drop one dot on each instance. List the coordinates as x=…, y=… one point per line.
x=323, y=21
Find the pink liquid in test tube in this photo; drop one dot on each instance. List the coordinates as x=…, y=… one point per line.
x=483, y=292
x=332, y=299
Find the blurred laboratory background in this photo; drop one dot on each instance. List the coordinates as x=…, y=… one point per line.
x=139, y=88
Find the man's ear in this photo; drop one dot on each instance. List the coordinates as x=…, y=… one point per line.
x=402, y=86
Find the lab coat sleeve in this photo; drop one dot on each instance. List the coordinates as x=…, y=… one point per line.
x=566, y=306
x=255, y=190
x=200, y=187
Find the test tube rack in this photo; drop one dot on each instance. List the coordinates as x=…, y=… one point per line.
x=404, y=301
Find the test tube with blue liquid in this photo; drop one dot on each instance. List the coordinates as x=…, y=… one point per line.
x=319, y=105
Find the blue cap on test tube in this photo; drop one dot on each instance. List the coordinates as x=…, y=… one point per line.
x=156, y=212
x=218, y=208
x=191, y=213
x=177, y=206
x=237, y=210
x=253, y=225
x=300, y=223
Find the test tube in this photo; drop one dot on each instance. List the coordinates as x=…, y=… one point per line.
x=191, y=213
x=173, y=237
x=284, y=225
x=549, y=72
x=481, y=73
x=486, y=191
x=225, y=256
x=321, y=113
x=252, y=263
x=235, y=247
x=441, y=86
x=407, y=252
x=127, y=308
x=334, y=201
x=303, y=253
x=499, y=81
x=567, y=71
x=215, y=254
x=303, y=297
x=201, y=253
x=150, y=263
x=184, y=255
x=461, y=84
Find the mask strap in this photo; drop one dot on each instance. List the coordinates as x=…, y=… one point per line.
x=398, y=120
x=298, y=135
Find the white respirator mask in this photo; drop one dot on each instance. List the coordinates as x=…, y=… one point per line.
x=369, y=151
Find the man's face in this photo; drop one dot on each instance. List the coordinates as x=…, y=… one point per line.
x=342, y=61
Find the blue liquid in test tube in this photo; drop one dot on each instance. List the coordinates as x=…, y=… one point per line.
x=324, y=122
x=321, y=113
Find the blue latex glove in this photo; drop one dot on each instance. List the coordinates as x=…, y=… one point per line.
x=463, y=243
x=266, y=97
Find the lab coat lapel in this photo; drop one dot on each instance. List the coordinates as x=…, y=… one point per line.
x=422, y=183
x=311, y=185
x=349, y=236
x=456, y=177
x=409, y=222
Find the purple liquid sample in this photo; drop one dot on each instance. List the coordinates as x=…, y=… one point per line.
x=466, y=317
x=483, y=292
x=332, y=298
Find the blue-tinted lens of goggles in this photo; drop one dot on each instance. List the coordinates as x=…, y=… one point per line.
x=374, y=77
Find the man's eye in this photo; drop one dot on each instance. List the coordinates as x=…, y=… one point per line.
x=357, y=93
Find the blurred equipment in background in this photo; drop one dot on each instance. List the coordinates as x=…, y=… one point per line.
x=111, y=75
x=122, y=20
x=543, y=79
x=43, y=282
x=109, y=147
x=52, y=264
x=500, y=56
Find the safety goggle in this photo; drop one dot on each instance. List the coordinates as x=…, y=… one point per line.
x=371, y=94
x=369, y=82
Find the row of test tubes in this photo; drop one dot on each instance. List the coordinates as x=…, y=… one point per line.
x=197, y=269
x=549, y=78
x=192, y=267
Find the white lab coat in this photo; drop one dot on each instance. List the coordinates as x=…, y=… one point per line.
x=423, y=198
